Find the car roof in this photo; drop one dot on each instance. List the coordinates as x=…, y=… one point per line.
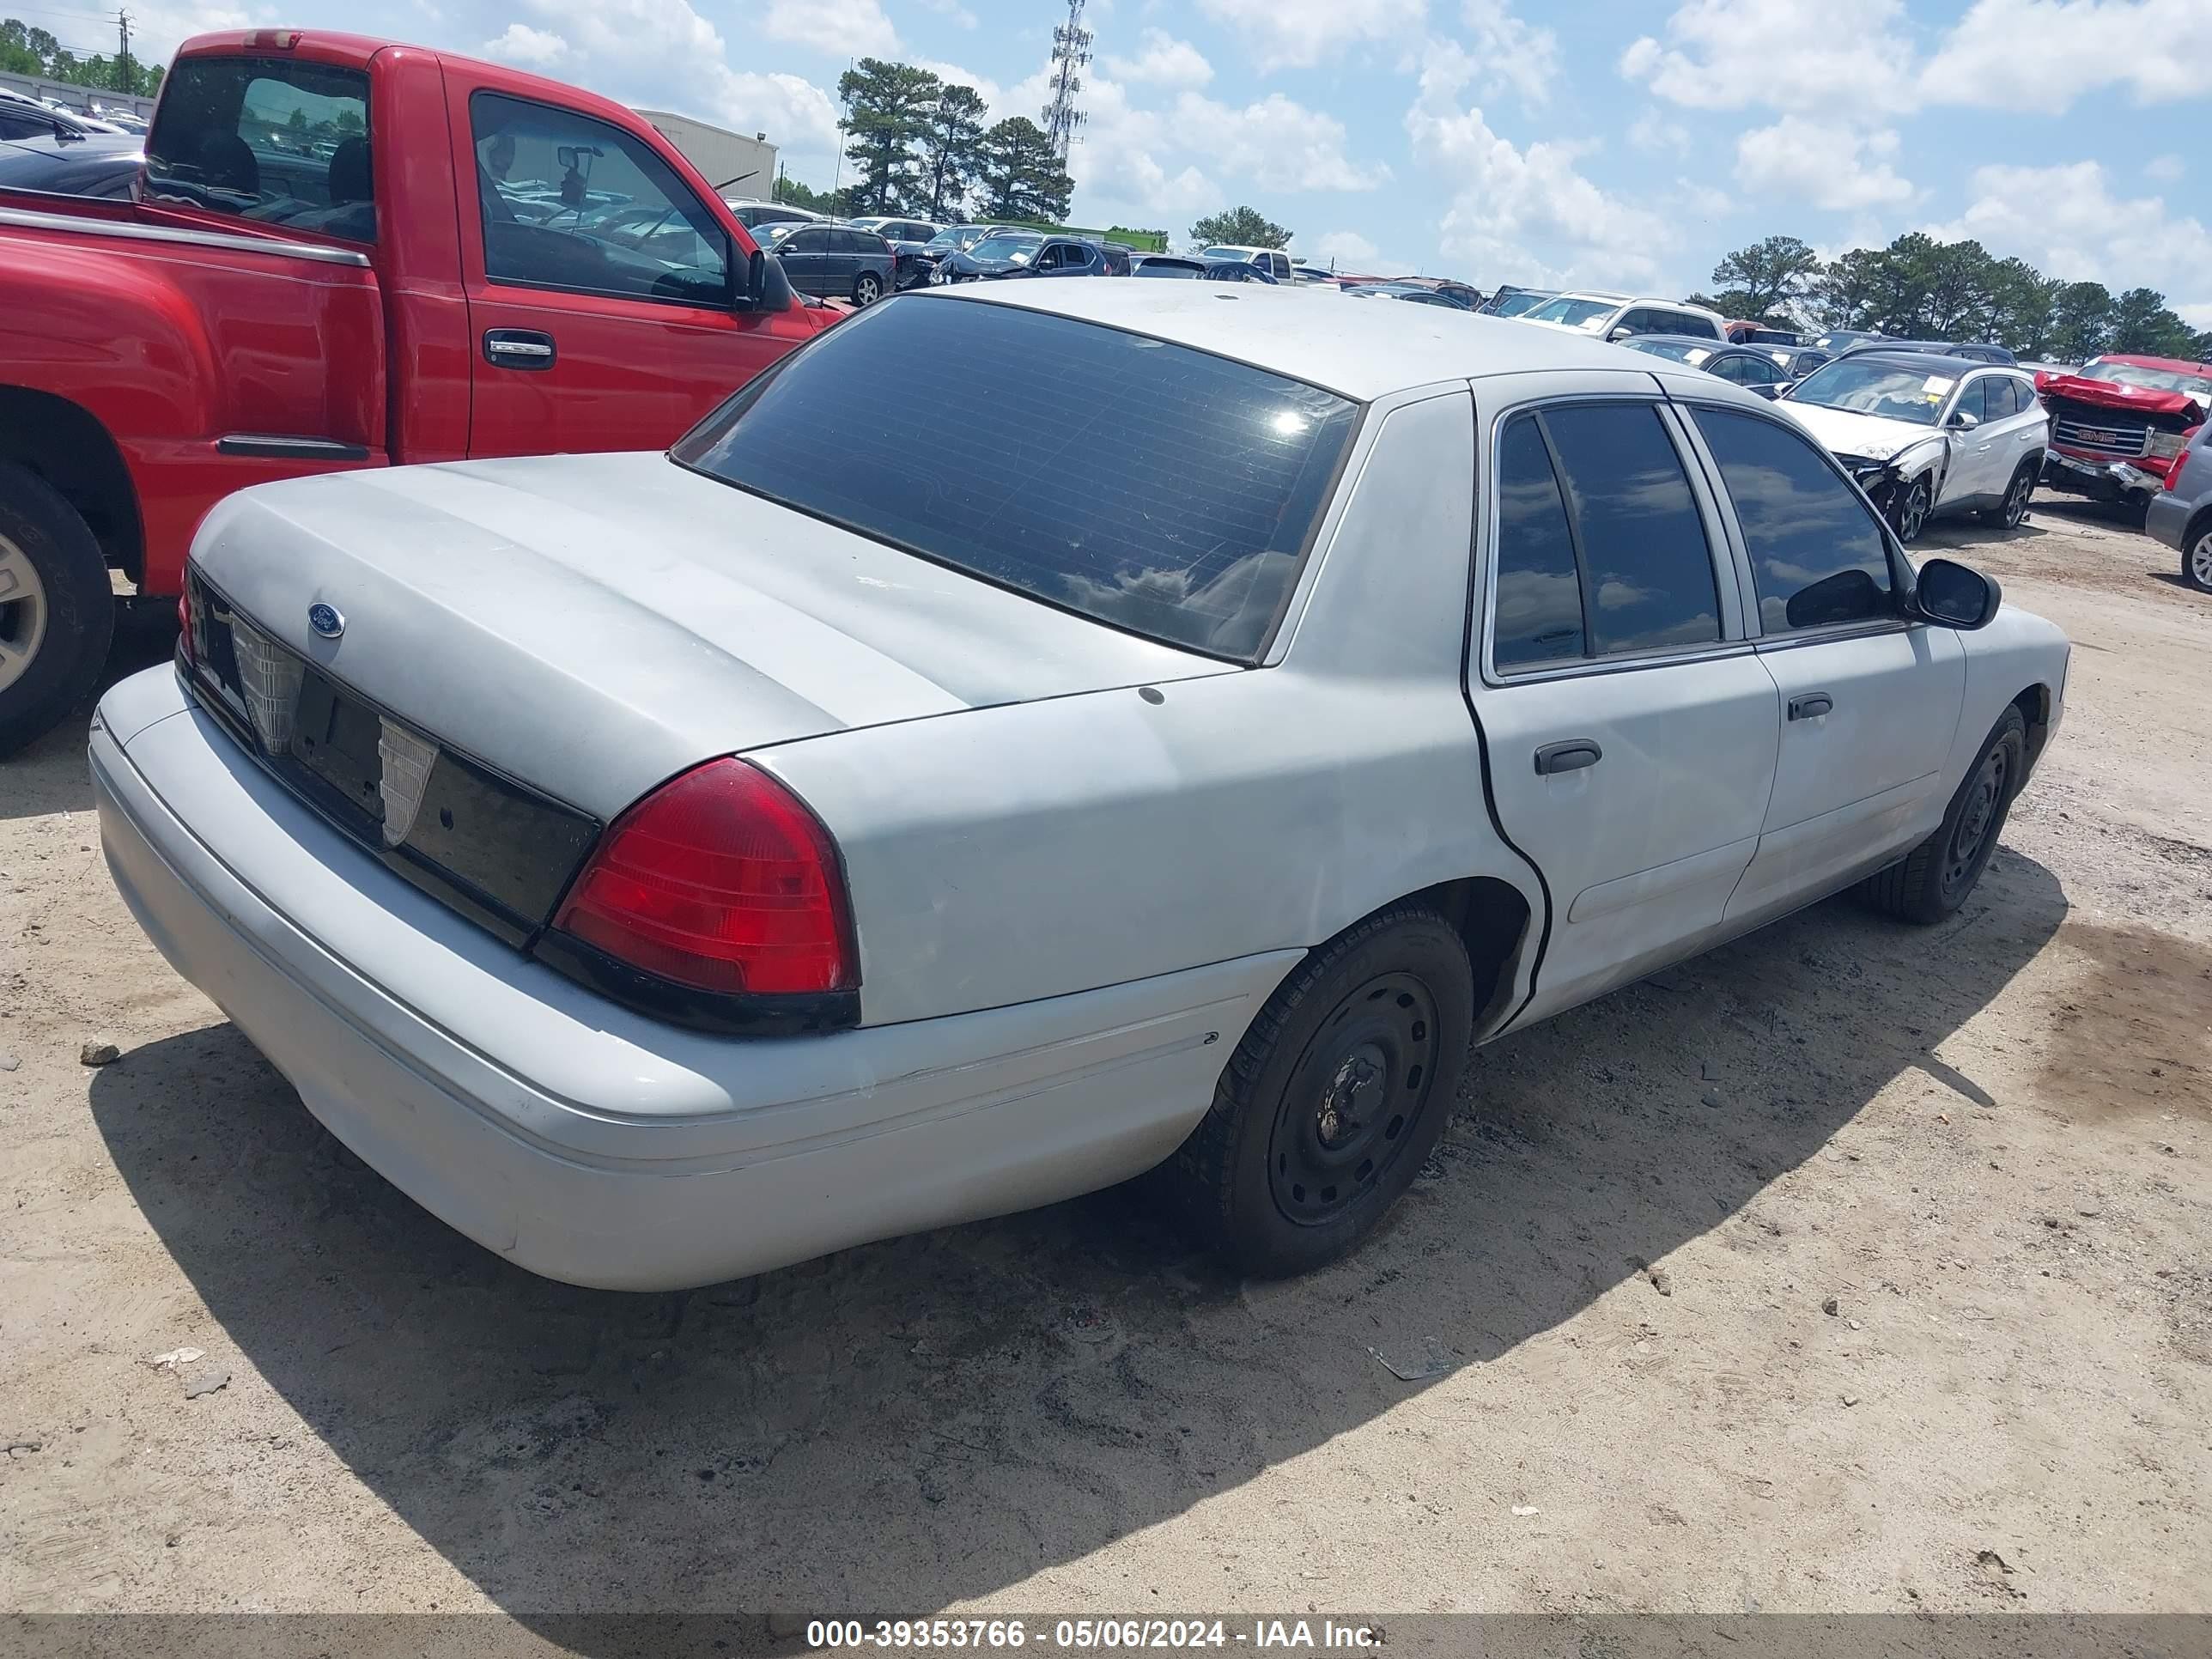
x=1931, y=362
x=1365, y=352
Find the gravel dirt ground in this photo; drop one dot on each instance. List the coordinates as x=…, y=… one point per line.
x=1918, y=1316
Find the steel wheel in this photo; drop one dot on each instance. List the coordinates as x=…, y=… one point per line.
x=1969, y=846
x=1353, y=1099
x=2015, y=501
x=23, y=612
x=2197, y=567
x=1912, y=512
x=867, y=291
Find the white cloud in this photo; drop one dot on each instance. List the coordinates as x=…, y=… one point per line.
x=2066, y=222
x=1528, y=215
x=851, y=28
x=1513, y=54
x=530, y=48
x=1654, y=133
x=953, y=75
x=1298, y=34
x=1165, y=61
x=1821, y=164
x=1276, y=142
x=2049, y=52
x=157, y=30
x=1704, y=200
x=953, y=9
x=1793, y=54
x=1345, y=247
x=2167, y=169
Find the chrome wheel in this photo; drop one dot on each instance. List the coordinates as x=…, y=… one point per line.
x=2197, y=565
x=867, y=291
x=2015, y=503
x=1913, y=513
x=22, y=612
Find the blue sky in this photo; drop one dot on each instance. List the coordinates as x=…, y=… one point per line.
x=1627, y=144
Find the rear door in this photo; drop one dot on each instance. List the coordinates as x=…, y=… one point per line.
x=1867, y=701
x=588, y=335
x=1631, y=733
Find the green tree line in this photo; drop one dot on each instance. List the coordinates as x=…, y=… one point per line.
x=27, y=50
x=918, y=144
x=1918, y=287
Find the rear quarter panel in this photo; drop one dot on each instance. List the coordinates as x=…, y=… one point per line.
x=1000, y=855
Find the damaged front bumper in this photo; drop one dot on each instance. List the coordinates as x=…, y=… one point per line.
x=2099, y=480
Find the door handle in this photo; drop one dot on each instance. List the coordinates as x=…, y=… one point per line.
x=1811, y=706
x=1572, y=756
x=518, y=347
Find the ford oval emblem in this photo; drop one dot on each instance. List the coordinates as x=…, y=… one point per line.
x=324, y=620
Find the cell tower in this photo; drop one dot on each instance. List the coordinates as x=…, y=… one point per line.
x=1070, y=51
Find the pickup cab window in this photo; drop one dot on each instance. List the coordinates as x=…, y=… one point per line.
x=277, y=140
x=571, y=202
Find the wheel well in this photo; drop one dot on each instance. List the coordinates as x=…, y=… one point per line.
x=2034, y=706
x=1492, y=919
x=67, y=446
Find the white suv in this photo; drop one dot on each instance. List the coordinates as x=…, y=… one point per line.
x=1272, y=260
x=1623, y=316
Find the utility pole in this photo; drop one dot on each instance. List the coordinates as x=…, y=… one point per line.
x=122, y=53
x=1070, y=51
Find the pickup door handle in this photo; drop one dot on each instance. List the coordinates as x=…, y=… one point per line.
x=1568, y=756
x=518, y=347
x=1811, y=706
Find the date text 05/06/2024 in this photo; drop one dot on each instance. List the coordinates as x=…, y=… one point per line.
x=1288, y=1636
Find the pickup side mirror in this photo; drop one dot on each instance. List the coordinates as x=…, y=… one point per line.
x=756, y=279
x=1952, y=595
x=1965, y=420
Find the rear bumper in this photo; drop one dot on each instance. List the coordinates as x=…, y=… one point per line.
x=588, y=1144
x=2166, y=518
x=2099, y=480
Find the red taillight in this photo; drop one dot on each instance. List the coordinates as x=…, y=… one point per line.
x=720, y=880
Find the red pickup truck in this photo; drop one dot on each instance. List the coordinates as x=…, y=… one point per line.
x=2119, y=424
x=343, y=252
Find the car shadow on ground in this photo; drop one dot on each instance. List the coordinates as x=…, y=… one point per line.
x=933, y=1419
x=49, y=774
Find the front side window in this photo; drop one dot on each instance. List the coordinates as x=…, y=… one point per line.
x=568, y=201
x=1817, y=556
x=276, y=140
x=1173, y=497
x=1537, y=615
x=1973, y=401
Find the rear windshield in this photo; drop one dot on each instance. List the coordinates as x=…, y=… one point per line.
x=275, y=139
x=1146, y=485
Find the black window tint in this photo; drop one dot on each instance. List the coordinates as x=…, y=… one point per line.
x=1817, y=556
x=1645, y=556
x=1172, y=493
x=1757, y=369
x=808, y=240
x=571, y=202
x=1538, y=611
x=1971, y=402
x=274, y=139
x=2009, y=393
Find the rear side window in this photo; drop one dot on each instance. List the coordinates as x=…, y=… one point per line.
x=1538, y=612
x=1817, y=557
x=277, y=140
x=1647, y=568
x=1173, y=494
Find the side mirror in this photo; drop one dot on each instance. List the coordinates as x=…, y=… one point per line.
x=1623, y=332
x=1965, y=419
x=1954, y=595
x=1782, y=386
x=756, y=279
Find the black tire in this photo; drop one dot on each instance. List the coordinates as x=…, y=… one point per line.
x=1347, y=1077
x=2012, y=511
x=868, y=288
x=1933, y=879
x=65, y=624
x=2197, y=554
x=1912, y=507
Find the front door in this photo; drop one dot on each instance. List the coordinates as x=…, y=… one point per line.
x=1867, y=702
x=1631, y=729
x=605, y=299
